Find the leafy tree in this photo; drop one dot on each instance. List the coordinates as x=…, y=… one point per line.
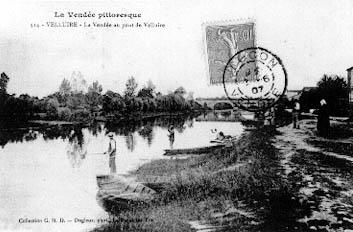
x=4, y=79
x=65, y=87
x=180, y=91
x=95, y=87
x=78, y=83
x=150, y=86
x=333, y=89
x=94, y=96
x=76, y=101
x=52, y=106
x=113, y=103
x=131, y=86
x=64, y=113
x=190, y=96
x=145, y=93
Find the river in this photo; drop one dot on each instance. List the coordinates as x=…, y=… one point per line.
x=49, y=174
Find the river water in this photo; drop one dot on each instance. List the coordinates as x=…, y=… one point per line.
x=48, y=175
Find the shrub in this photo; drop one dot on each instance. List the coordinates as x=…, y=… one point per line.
x=81, y=115
x=64, y=113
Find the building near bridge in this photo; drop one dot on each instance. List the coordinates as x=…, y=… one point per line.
x=293, y=94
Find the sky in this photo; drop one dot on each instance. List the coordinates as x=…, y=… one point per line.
x=312, y=38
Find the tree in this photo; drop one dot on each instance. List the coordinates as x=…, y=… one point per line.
x=65, y=87
x=180, y=91
x=145, y=93
x=334, y=89
x=95, y=87
x=94, y=96
x=4, y=79
x=150, y=85
x=3, y=93
x=64, y=92
x=78, y=83
x=131, y=86
x=113, y=102
x=190, y=96
x=52, y=106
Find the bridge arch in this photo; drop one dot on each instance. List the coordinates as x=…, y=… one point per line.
x=223, y=106
x=214, y=103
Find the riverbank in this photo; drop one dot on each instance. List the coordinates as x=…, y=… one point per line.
x=284, y=180
x=225, y=189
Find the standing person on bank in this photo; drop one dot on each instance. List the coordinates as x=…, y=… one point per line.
x=296, y=114
x=323, y=119
x=112, y=153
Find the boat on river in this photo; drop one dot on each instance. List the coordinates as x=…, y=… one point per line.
x=194, y=150
x=123, y=191
x=214, y=144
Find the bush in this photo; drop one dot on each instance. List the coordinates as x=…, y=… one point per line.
x=64, y=113
x=81, y=115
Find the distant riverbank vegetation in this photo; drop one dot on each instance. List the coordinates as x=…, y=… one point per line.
x=76, y=101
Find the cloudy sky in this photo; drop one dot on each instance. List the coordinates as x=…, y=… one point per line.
x=311, y=38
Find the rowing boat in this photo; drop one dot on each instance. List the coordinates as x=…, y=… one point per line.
x=123, y=191
x=195, y=150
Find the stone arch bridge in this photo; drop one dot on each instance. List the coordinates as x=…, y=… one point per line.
x=212, y=102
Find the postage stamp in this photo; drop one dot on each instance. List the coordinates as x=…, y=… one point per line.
x=223, y=41
x=254, y=79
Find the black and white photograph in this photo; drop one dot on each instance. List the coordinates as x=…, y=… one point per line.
x=176, y=116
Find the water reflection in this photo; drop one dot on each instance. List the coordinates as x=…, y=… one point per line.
x=59, y=162
x=171, y=136
x=31, y=133
x=130, y=141
x=220, y=115
x=146, y=132
x=96, y=128
x=77, y=148
x=144, y=128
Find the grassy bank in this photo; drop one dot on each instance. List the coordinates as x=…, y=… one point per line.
x=237, y=188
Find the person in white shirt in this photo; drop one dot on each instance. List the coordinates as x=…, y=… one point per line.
x=112, y=153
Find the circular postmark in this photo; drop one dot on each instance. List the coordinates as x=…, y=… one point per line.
x=254, y=79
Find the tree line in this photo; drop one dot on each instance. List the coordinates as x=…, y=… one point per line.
x=75, y=101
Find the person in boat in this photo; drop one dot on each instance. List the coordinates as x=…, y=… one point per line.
x=220, y=136
x=112, y=153
x=171, y=130
x=171, y=136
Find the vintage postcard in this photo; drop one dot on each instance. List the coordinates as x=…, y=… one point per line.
x=176, y=116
